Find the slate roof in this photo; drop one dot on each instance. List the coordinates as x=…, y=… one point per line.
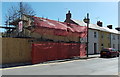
x=96, y=27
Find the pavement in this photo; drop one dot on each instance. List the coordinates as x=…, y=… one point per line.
x=91, y=56
x=54, y=61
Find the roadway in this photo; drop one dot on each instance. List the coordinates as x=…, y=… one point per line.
x=93, y=66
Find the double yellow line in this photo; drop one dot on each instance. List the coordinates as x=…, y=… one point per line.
x=38, y=65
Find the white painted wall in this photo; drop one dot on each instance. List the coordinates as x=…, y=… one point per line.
x=114, y=41
x=92, y=40
x=119, y=42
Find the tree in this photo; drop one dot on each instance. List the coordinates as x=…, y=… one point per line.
x=15, y=12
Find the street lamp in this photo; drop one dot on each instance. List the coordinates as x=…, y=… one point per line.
x=87, y=20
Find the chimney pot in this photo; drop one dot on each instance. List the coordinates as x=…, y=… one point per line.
x=109, y=26
x=99, y=23
x=118, y=28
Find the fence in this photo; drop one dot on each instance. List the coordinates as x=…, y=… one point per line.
x=15, y=50
x=0, y=50
x=19, y=50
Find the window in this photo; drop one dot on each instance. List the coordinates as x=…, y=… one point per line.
x=95, y=34
x=108, y=36
x=109, y=45
x=102, y=36
x=119, y=47
x=114, y=50
x=113, y=37
x=102, y=46
x=113, y=45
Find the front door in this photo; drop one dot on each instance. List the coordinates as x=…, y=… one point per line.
x=95, y=48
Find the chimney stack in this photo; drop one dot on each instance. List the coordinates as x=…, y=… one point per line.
x=68, y=17
x=99, y=23
x=118, y=28
x=109, y=26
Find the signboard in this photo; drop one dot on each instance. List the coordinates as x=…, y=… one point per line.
x=20, y=25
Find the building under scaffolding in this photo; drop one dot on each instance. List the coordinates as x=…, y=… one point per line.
x=45, y=29
x=36, y=39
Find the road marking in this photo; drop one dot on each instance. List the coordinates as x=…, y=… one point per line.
x=39, y=65
x=44, y=64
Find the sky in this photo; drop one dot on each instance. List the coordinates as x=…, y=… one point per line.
x=107, y=12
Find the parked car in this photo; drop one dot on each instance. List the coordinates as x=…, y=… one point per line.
x=109, y=52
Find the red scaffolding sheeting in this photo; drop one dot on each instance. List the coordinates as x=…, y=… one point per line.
x=59, y=28
x=45, y=51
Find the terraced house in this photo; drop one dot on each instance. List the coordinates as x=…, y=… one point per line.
x=99, y=37
x=115, y=37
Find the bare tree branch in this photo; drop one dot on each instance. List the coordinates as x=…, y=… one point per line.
x=15, y=12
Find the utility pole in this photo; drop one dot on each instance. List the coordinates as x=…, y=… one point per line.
x=87, y=20
x=21, y=14
x=21, y=9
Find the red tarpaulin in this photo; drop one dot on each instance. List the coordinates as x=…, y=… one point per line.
x=59, y=28
x=45, y=51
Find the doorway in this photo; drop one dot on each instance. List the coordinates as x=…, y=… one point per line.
x=95, y=48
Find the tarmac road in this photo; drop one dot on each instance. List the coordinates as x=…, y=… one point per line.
x=94, y=66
